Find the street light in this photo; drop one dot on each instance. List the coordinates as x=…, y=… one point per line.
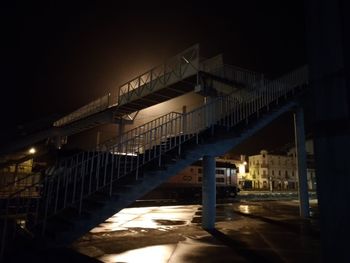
x=32, y=150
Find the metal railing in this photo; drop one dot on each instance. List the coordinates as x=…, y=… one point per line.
x=95, y=106
x=238, y=75
x=138, y=130
x=171, y=71
x=175, y=69
x=82, y=175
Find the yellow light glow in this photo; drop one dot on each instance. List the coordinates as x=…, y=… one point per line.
x=244, y=209
x=32, y=150
x=244, y=163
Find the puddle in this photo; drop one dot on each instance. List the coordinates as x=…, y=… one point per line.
x=169, y=222
x=164, y=217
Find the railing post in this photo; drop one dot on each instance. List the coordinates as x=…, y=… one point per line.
x=137, y=167
x=118, y=161
x=82, y=172
x=66, y=183
x=98, y=155
x=57, y=192
x=75, y=178
x=105, y=170
x=112, y=171
x=91, y=169
x=184, y=119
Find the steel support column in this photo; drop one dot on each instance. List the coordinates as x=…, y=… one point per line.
x=208, y=192
x=301, y=162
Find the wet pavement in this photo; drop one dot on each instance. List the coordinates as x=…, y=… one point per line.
x=246, y=231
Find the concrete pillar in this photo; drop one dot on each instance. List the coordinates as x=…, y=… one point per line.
x=208, y=192
x=327, y=27
x=301, y=162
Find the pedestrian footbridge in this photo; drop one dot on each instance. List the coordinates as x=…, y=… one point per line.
x=85, y=189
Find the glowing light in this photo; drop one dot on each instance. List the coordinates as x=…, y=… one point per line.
x=32, y=150
x=244, y=163
x=148, y=217
x=156, y=254
x=123, y=153
x=244, y=209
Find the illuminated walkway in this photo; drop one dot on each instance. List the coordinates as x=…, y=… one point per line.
x=245, y=232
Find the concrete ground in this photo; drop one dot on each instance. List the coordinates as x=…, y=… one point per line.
x=246, y=231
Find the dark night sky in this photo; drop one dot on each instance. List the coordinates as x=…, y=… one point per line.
x=56, y=57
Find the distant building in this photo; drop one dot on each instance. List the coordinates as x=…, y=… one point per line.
x=277, y=172
x=17, y=177
x=267, y=171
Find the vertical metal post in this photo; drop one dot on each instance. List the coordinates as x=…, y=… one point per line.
x=66, y=178
x=98, y=169
x=301, y=161
x=105, y=170
x=112, y=172
x=75, y=178
x=118, y=161
x=82, y=172
x=137, y=167
x=57, y=191
x=184, y=119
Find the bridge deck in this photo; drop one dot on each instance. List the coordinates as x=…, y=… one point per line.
x=171, y=79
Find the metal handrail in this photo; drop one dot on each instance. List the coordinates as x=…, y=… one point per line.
x=174, y=69
x=135, y=131
x=88, y=172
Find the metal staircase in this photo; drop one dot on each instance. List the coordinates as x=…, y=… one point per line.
x=87, y=188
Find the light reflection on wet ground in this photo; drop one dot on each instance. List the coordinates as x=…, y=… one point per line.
x=148, y=217
x=158, y=254
x=173, y=234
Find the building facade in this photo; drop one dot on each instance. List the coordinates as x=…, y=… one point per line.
x=277, y=172
x=268, y=171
